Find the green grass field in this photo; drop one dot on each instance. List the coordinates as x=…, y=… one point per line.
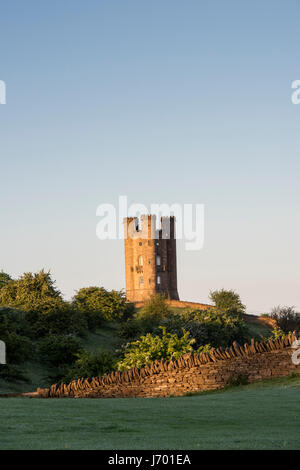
x=264, y=415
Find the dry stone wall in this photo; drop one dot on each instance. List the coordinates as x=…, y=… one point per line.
x=188, y=374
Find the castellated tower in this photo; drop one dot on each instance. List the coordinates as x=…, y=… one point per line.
x=150, y=258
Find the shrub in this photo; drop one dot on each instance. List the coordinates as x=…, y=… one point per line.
x=287, y=319
x=147, y=319
x=13, y=373
x=19, y=348
x=154, y=310
x=58, y=350
x=227, y=300
x=64, y=321
x=148, y=348
x=277, y=333
x=131, y=329
x=217, y=328
x=129, y=311
x=90, y=364
x=4, y=279
x=98, y=304
x=32, y=293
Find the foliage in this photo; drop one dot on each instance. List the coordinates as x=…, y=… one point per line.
x=56, y=350
x=18, y=347
x=4, y=279
x=227, y=300
x=129, y=311
x=217, y=328
x=204, y=349
x=277, y=333
x=149, y=348
x=32, y=292
x=154, y=310
x=13, y=373
x=147, y=319
x=287, y=319
x=64, y=321
x=90, y=365
x=98, y=304
x=131, y=329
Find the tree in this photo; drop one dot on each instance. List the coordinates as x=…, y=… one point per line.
x=32, y=292
x=4, y=279
x=149, y=348
x=287, y=319
x=98, y=304
x=226, y=300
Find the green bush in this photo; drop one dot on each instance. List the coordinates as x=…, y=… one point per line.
x=4, y=279
x=154, y=310
x=217, y=328
x=57, y=350
x=64, y=321
x=13, y=373
x=32, y=293
x=90, y=364
x=148, y=348
x=98, y=304
x=19, y=348
x=131, y=329
x=214, y=327
x=227, y=300
x=147, y=319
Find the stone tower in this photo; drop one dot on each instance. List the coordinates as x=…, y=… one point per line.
x=150, y=258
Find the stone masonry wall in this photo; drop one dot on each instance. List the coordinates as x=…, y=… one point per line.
x=190, y=373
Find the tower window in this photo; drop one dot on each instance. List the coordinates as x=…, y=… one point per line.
x=141, y=281
x=158, y=260
x=141, y=261
x=158, y=279
x=140, y=243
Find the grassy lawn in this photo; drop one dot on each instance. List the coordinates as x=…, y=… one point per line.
x=256, y=416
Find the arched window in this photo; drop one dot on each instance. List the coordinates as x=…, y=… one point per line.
x=158, y=279
x=158, y=260
x=141, y=261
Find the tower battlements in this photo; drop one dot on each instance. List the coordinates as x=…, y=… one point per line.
x=150, y=258
x=147, y=227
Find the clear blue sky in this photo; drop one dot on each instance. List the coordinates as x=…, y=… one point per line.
x=162, y=101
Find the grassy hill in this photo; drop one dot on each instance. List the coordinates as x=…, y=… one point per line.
x=258, y=416
x=105, y=338
x=38, y=374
